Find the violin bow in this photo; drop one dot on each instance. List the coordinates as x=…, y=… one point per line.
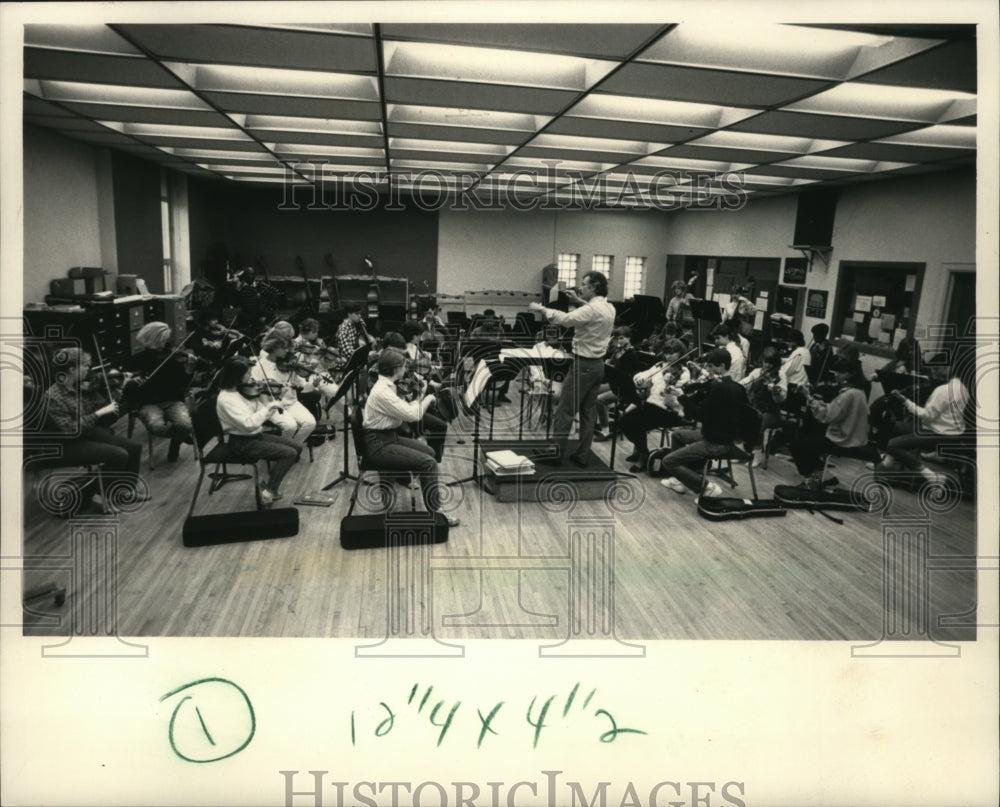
x=104, y=372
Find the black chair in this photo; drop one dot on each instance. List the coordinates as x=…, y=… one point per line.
x=749, y=429
x=206, y=427
x=356, y=422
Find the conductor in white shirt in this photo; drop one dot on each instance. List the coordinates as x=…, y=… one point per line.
x=592, y=323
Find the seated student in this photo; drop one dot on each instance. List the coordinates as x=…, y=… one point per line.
x=412, y=386
x=820, y=354
x=294, y=419
x=796, y=364
x=351, y=333
x=726, y=335
x=414, y=332
x=658, y=406
x=846, y=420
x=308, y=344
x=78, y=410
x=619, y=368
x=887, y=414
x=943, y=415
x=767, y=387
x=720, y=428
x=384, y=413
x=489, y=325
x=242, y=411
x=164, y=382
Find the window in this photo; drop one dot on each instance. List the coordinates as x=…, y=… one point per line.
x=567, y=264
x=603, y=264
x=635, y=273
x=165, y=232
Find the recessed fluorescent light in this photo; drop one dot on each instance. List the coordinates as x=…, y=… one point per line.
x=962, y=137
x=766, y=142
x=492, y=66
x=653, y=110
x=224, y=168
x=213, y=155
x=464, y=118
x=763, y=48
x=668, y=163
x=332, y=151
x=116, y=95
x=842, y=164
x=168, y=130
x=281, y=123
x=555, y=166
x=79, y=38
x=429, y=165
x=412, y=144
x=574, y=143
x=272, y=81
x=857, y=99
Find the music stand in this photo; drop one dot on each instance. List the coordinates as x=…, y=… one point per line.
x=705, y=311
x=475, y=405
x=352, y=378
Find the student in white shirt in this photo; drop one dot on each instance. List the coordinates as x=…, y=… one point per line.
x=795, y=363
x=943, y=415
x=385, y=412
x=726, y=335
x=295, y=421
x=242, y=414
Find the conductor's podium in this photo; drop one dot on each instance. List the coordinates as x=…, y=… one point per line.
x=567, y=481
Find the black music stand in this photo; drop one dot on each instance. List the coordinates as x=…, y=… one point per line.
x=475, y=406
x=352, y=375
x=705, y=311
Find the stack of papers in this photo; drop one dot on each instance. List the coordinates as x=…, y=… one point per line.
x=507, y=463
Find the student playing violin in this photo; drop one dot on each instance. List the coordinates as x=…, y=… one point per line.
x=164, y=379
x=242, y=412
x=294, y=419
x=78, y=409
x=658, y=388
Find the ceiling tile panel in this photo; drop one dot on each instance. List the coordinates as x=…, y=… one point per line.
x=892, y=152
x=832, y=127
x=793, y=105
x=290, y=105
x=709, y=86
x=263, y=47
x=597, y=41
x=96, y=68
x=952, y=66
x=458, y=134
x=532, y=100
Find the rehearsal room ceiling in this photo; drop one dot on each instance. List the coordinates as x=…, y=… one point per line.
x=623, y=115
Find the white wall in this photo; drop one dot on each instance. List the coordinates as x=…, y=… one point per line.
x=506, y=249
x=929, y=218
x=65, y=192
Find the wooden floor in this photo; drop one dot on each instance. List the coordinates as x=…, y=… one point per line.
x=644, y=567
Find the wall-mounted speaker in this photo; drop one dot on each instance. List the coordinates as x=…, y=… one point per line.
x=814, y=218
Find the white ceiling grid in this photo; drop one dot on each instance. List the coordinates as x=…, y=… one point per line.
x=615, y=114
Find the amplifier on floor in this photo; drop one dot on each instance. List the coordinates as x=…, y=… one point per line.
x=231, y=528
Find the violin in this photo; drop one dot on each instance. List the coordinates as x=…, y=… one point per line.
x=254, y=389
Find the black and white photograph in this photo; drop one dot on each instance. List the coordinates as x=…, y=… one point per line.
x=499, y=403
